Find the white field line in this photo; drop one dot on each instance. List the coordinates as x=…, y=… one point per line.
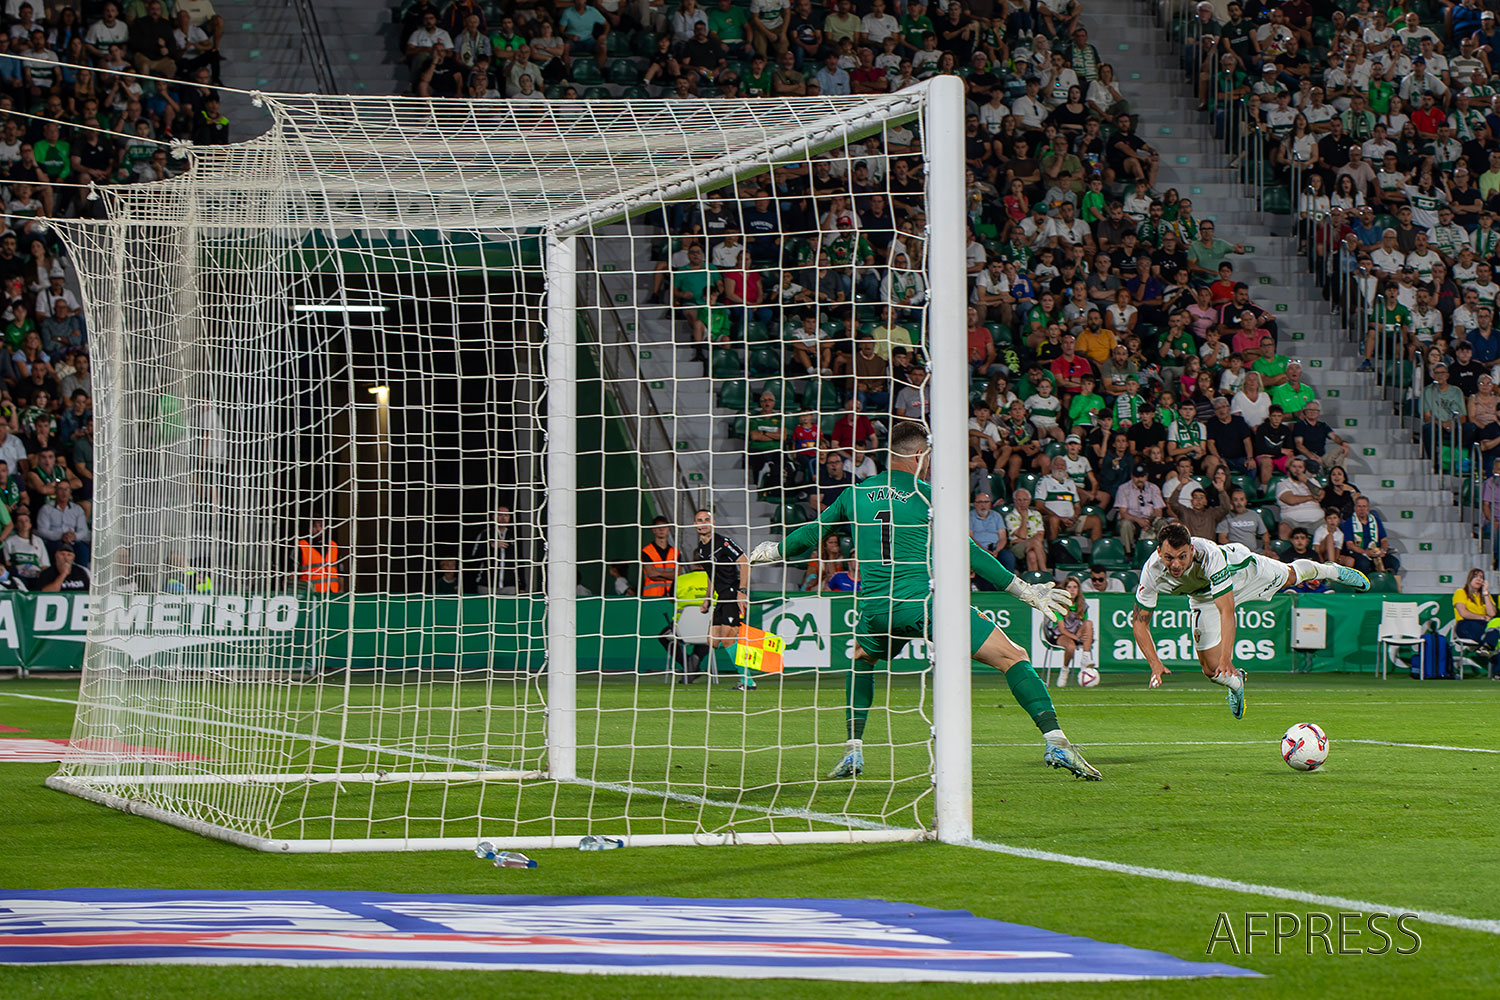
x=1233, y=885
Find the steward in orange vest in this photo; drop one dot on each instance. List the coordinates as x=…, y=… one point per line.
x=318, y=569
x=658, y=561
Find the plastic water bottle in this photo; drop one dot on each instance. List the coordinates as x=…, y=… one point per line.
x=485, y=851
x=513, y=859
x=596, y=843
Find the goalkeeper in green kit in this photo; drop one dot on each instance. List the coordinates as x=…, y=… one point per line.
x=891, y=514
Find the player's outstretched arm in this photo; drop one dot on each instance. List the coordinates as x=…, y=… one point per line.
x=808, y=537
x=1140, y=627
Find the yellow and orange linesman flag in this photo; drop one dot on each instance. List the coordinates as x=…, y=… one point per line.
x=759, y=650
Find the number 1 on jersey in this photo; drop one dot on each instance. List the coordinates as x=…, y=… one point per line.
x=884, y=517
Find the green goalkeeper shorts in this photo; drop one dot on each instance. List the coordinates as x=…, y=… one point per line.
x=884, y=628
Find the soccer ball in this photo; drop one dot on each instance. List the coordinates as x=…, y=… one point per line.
x=1304, y=747
x=1088, y=676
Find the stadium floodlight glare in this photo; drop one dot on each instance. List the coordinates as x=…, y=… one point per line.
x=528, y=286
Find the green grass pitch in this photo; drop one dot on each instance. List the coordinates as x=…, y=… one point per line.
x=1187, y=789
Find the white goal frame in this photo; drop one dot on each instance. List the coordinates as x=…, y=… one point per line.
x=942, y=105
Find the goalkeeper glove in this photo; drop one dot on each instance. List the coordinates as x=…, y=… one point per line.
x=766, y=552
x=1045, y=597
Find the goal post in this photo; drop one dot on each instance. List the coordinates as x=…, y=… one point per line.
x=472, y=351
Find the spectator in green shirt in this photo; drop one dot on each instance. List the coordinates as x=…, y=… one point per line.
x=505, y=40
x=54, y=153
x=1206, y=253
x=765, y=431
x=729, y=25
x=1270, y=365
x=758, y=78
x=1293, y=394
x=1086, y=404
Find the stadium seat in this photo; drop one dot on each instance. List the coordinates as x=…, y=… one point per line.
x=586, y=72
x=1067, y=554
x=636, y=94
x=624, y=73
x=734, y=396
x=1110, y=553
x=1280, y=546
x=727, y=364
x=1027, y=481
x=1383, y=583
x=1144, y=547
x=759, y=333
x=597, y=93
x=764, y=361
x=1128, y=577
x=1039, y=576
x=1248, y=483
x=1271, y=515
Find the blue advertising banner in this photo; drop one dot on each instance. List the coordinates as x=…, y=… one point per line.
x=855, y=940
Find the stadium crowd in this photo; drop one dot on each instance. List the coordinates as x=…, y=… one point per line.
x=1386, y=122
x=89, y=94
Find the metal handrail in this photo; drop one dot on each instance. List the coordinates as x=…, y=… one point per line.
x=313, y=47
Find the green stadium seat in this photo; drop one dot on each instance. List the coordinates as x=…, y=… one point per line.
x=1067, y=554
x=597, y=93
x=846, y=546
x=624, y=72
x=1027, y=481
x=636, y=94
x=1110, y=553
x=586, y=72
x=1039, y=576
x=1128, y=577
x=1280, y=546
x=1383, y=583
x=734, y=395
x=1144, y=547
x=759, y=333
x=1246, y=482
x=764, y=361
x=727, y=364
x=1271, y=515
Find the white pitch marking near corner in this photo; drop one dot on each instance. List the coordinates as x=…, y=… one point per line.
x=1418, y=746
x=38, y=697
x=1232, y=885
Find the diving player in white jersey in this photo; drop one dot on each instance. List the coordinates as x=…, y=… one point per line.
x=1215, y=579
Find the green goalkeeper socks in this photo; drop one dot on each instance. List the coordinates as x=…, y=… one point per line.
x=859, y=695
x=725, y=655
x=1032, y=695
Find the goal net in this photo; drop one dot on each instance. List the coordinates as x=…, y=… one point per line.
x=389, y=402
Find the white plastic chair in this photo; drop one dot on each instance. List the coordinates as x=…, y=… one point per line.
x=1398, y=628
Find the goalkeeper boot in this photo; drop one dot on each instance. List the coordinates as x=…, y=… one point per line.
x=1351, y=577
x=852, y=765
x=1236, y=696
x=1066, y=756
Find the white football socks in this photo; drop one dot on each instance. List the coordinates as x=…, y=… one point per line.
x=1231, y=681
x=1055, y=737
x=1309, y=570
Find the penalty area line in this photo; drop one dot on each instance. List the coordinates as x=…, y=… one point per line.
x=1233, y=885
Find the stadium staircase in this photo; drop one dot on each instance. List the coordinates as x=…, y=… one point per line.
x=1418, y=507
x=692, y=444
